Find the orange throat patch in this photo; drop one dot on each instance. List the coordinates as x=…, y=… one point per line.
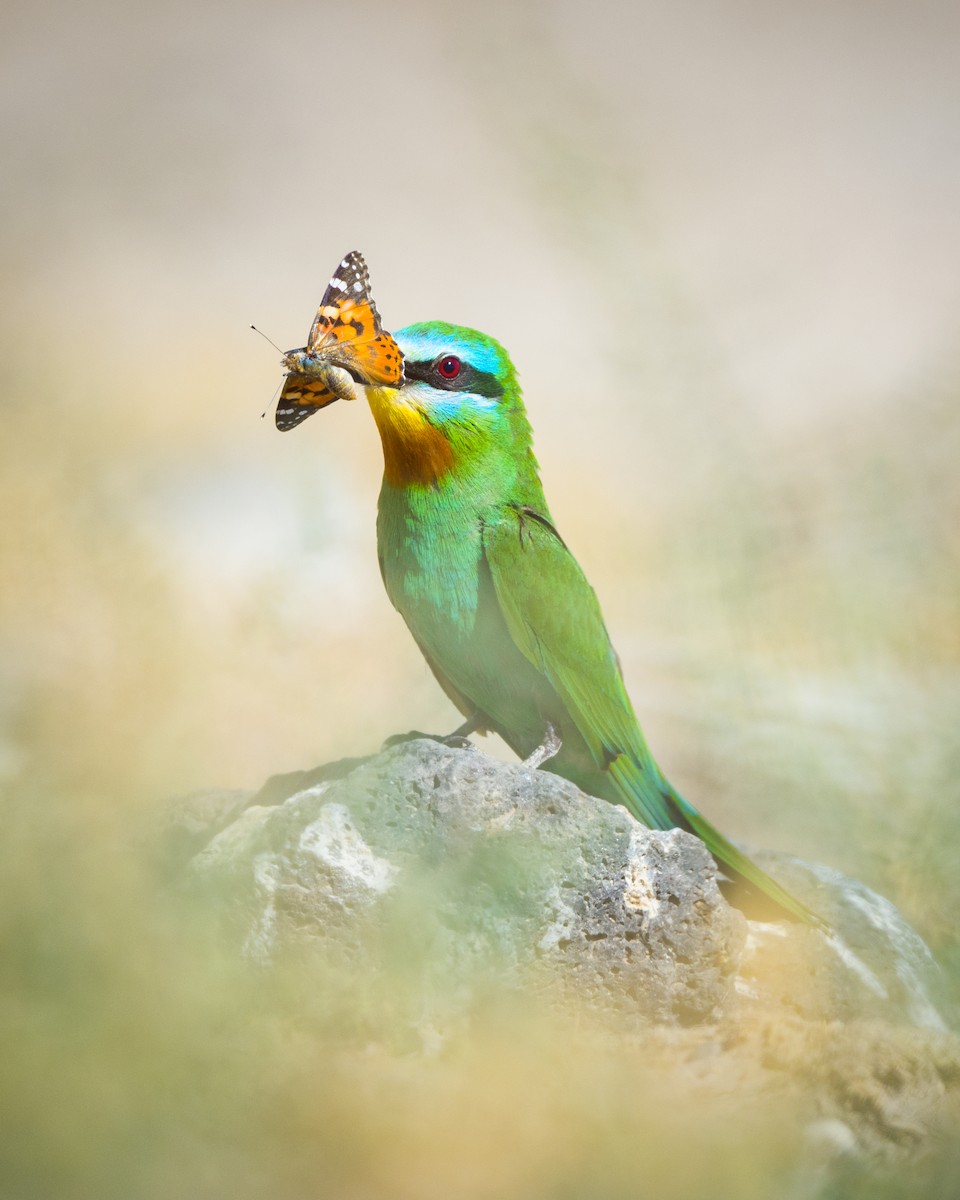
x=414, y=452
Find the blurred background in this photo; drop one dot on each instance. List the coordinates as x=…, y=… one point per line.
x=722, y=244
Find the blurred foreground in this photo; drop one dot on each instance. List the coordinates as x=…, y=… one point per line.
x=143, y=1059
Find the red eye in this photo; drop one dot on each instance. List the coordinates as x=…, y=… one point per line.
x=449, y=367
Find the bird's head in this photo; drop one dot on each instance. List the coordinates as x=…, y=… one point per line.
x=459, y=406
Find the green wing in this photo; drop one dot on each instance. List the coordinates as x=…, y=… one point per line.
x=554, y=618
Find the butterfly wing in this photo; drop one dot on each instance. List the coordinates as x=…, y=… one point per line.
x=302, y=395
x=347, y=328
x=379, y=361
x=347, y=310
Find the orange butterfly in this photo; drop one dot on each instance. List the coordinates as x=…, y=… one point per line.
x=346, y=340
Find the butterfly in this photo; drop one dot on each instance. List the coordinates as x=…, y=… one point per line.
x=346, y=344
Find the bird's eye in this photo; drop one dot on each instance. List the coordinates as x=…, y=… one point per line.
x=449, y=367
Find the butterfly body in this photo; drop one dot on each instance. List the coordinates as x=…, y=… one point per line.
x=346, y=344
x=306, y=369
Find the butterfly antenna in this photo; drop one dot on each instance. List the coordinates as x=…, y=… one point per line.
x=273, y=402
x=266, y=339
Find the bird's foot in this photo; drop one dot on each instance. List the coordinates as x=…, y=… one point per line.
x=549, y=747
x=455, y=740
x=458, y=740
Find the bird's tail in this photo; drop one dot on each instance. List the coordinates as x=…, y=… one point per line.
x=651, y=799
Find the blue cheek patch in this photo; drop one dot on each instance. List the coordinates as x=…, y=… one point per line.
x=457, y=406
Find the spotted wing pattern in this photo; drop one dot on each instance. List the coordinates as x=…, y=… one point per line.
x=346, y=333
x=302, y=395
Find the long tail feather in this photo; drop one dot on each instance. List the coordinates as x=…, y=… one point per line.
x=654, y=802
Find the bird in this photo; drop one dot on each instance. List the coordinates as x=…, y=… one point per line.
x=472, y=560
x=499, y=606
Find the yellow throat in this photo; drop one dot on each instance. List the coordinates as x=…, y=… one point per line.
x=414, y=451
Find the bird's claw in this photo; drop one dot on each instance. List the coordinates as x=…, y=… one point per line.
x=455, y=740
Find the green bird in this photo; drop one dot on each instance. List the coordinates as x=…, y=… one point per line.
x=499, y=606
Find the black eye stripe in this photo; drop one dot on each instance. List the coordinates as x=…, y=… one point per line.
x=481, y=383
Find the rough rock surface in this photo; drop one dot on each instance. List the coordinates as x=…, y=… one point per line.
x=475, y=865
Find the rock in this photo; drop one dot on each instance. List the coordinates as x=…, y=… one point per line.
x=872, y=965
x=517, y=867
x=463, y=868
